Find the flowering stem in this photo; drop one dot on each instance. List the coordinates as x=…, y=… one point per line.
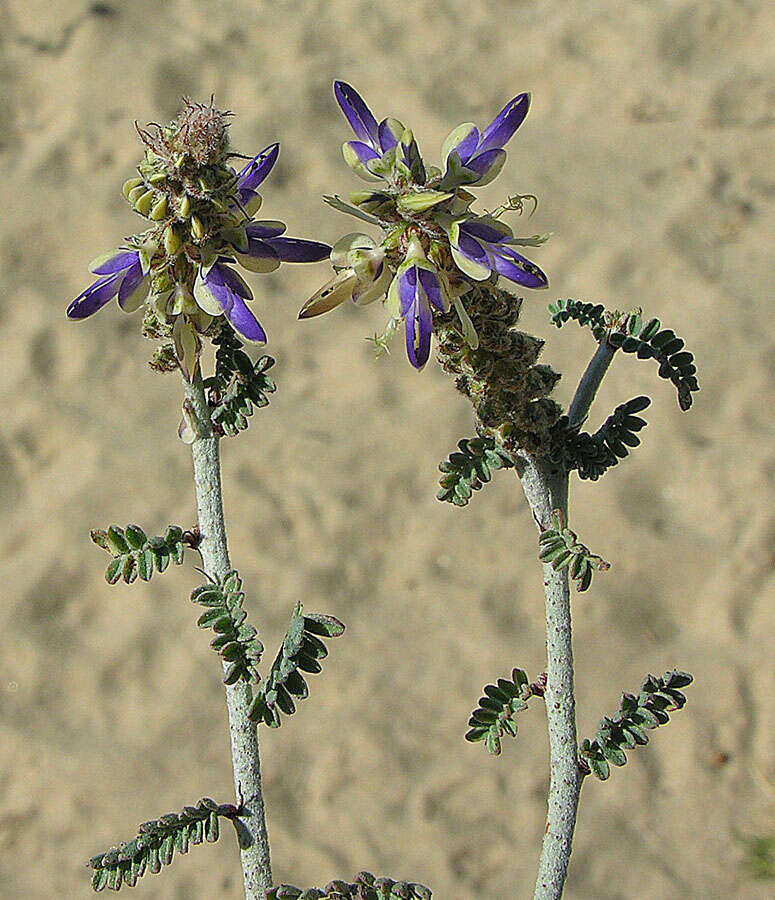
x=254, y=840
x=590, y=382
x=546, y=489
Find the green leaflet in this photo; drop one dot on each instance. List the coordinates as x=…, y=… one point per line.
x=637, y=714
x=675, y=364
x=588, y=315
x=137, y=556
x=591, y=455
x=469, y=468
x=495, y=716
x=155, y=844
x=365, y=887
x=301, y=651
x=629, y=333
x=235, y=641
x=560, y=548
x=238, y=385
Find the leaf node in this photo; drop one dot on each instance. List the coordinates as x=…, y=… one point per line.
x=495, y=716
x=365, y=887
x=560, y=548
x=468, y=468
x=301, y=651
x=238, y=384
x=156, y=843
x=135, y=555
x=637, y=714
x=628, y=332
x=651, y=341
x=588, y=315
x=591, y=455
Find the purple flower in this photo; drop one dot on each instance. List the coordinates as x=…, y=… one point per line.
x=476, y=158
x=415, y=289
x=219, y=290
x=266, y=248
x=418, y=290
x=254, y=173
x=374, y=140
x=122, y=274
x=482, y=247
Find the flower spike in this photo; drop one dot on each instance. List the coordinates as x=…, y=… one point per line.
x=200, y=212
x=434, y=250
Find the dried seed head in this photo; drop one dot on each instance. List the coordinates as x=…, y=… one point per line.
x=202, y=132
x=198, y=136
x=508, y=389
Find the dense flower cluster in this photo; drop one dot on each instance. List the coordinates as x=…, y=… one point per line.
x=201, y=214
x=434, y=249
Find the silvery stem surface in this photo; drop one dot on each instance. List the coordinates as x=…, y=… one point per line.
x=546, y=489
x=254, y=840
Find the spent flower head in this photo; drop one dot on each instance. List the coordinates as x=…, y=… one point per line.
x=200, y=211
x=434, y=248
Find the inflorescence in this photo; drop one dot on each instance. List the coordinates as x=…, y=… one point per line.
x=201, y=212
x=434, y=249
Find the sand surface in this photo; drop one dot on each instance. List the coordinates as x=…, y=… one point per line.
x=650, y=144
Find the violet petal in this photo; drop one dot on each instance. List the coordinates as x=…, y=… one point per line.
x=407, y=289
x=517, y=268
x=497, y=134
x=117, y=262
x=130, y=283
x=243, y=321
x=298, y=250
x=481, y=231
x=364, y=152
x=483, y=162
x=357, y=113
x=260, y=249
x=418, y=325
x=432, y=287
x=465, y=149
x=95, y=296
x=228, y=289
x=470, y=247
x=223, y=275
x=264, y=229
x=387, y=134
x=258, y=168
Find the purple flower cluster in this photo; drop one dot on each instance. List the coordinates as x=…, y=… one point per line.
x=202, y=249
x=433, y=251
x=434, y=247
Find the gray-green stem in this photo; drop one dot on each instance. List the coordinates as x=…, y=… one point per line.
x=254, y=839
x=546, y=489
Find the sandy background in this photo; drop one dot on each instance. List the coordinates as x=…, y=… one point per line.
x=650, y=143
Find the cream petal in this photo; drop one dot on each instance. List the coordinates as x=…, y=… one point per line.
x=332, y=294
x=353, y=241
x=374, y=290
x=187, y=346
x=259, y=264
x=466, y=265
x=206, y=299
